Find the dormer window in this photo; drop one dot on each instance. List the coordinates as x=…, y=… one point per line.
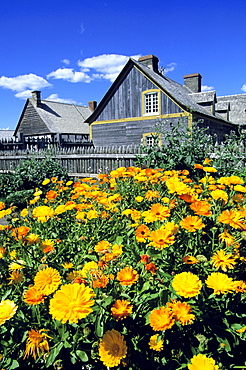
x=151, y=102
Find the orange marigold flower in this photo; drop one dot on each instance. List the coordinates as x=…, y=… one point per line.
x=188, y=198
x=192, y=223
x=16, y=277
x=20, y=232
x=161, y=238
x=51, y=194
x=2, y=252
x=201, y=208
x=36, y=343
x=202, y=362
x=150, y=194
x=144, y=258
x=112, y=348
x=241, y=330
x=199, y=166
x=227, y=238
x=100, y=280
x=33, y=296
x=182, y=312
x=47, y=280
x=71, y=303
x=161, y=318
x=47, y=246
x=159, y=212
x=127, y=276
x=2, y=205
x=223, y=260
x=155, y=344
x=233, y=218
x=142, y=233
x=89, y=268
x=189, y=260
x=240, y=286
x=187, y=284
x=121, y=309
x=102, y=247
x=220, y=283
x=151, y=267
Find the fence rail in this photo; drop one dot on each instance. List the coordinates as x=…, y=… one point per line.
x=79, y=161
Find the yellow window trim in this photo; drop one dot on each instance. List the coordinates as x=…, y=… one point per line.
x=158, y=91
x=144, y=137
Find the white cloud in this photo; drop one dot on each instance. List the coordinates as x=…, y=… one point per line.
x=106, y=66
x=23, y=82
x=170, y=67
x=205, y=88
x=243, y=88
x=24, y=94
x=70, y=75
x=66, y=61
x=54, y=97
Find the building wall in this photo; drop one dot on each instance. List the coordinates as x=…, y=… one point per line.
x=31, y=122
x=216, y=128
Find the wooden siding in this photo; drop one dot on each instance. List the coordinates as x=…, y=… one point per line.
x=31, y=123
x=126, y=133
x=216, y=128
x=126, y=101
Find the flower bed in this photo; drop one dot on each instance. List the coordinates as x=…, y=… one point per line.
x=139, y=269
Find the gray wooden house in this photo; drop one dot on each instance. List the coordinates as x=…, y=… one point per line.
x=47, y=121
x=142, y=96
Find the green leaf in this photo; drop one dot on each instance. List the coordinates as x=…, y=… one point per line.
x=82, y=355
x=14, y=365
x=53, y=354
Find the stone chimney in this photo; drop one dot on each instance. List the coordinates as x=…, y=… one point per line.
x=92, y=105
x=193, y=82
x=36, y=96
x=150, y=61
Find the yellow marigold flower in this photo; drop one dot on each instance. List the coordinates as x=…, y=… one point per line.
x=155, y=344
x=223, y=260
x=17, y=265
x=209, y=169
x=7, y=310
x=32, y=239
x=227, y=238
x=112, y=348
x=117, y=250
x=47, y=280
x=127, y=276
x=240, y=188
x=220, y=283
x=36, y=343
x=189, y=260
x=233, y=218
x=182, y=312
x=67, y=265
x=74, y=274
x=92, y=214
x=43, y=213
x=231, y=180
x=121, y=309
x=161, y=238
x=192, y=223
x=202, y=362
x=174, y=185
x=219, y=194
x=102, y=247
x=150, y=194
x=201, y=208
x=186, y=284
x=71, y=303
x=24, y=212
x=242, y=330
x=207, y=161
x=171, y=227
x=12, y=255
x=47, y=246
x=33, y=296
x=68, y=183
x=16, y=277
x=89, y=267
x=46, y=181
x=161, y=318
x=240, y=286
x=139, y=199
x=142, y=232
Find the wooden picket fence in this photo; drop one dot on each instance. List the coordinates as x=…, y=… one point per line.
x=77, y=161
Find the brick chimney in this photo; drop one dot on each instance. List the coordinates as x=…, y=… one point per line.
x=150, y=61
x=92, y=105
x=36, y=96
x=193, y=82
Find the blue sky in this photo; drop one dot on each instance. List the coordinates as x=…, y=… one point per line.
x=72, y=50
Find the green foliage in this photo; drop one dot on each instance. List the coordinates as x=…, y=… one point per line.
x=28, y=176
x=184, y=145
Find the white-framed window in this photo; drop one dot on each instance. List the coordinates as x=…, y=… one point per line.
x=151, y=102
